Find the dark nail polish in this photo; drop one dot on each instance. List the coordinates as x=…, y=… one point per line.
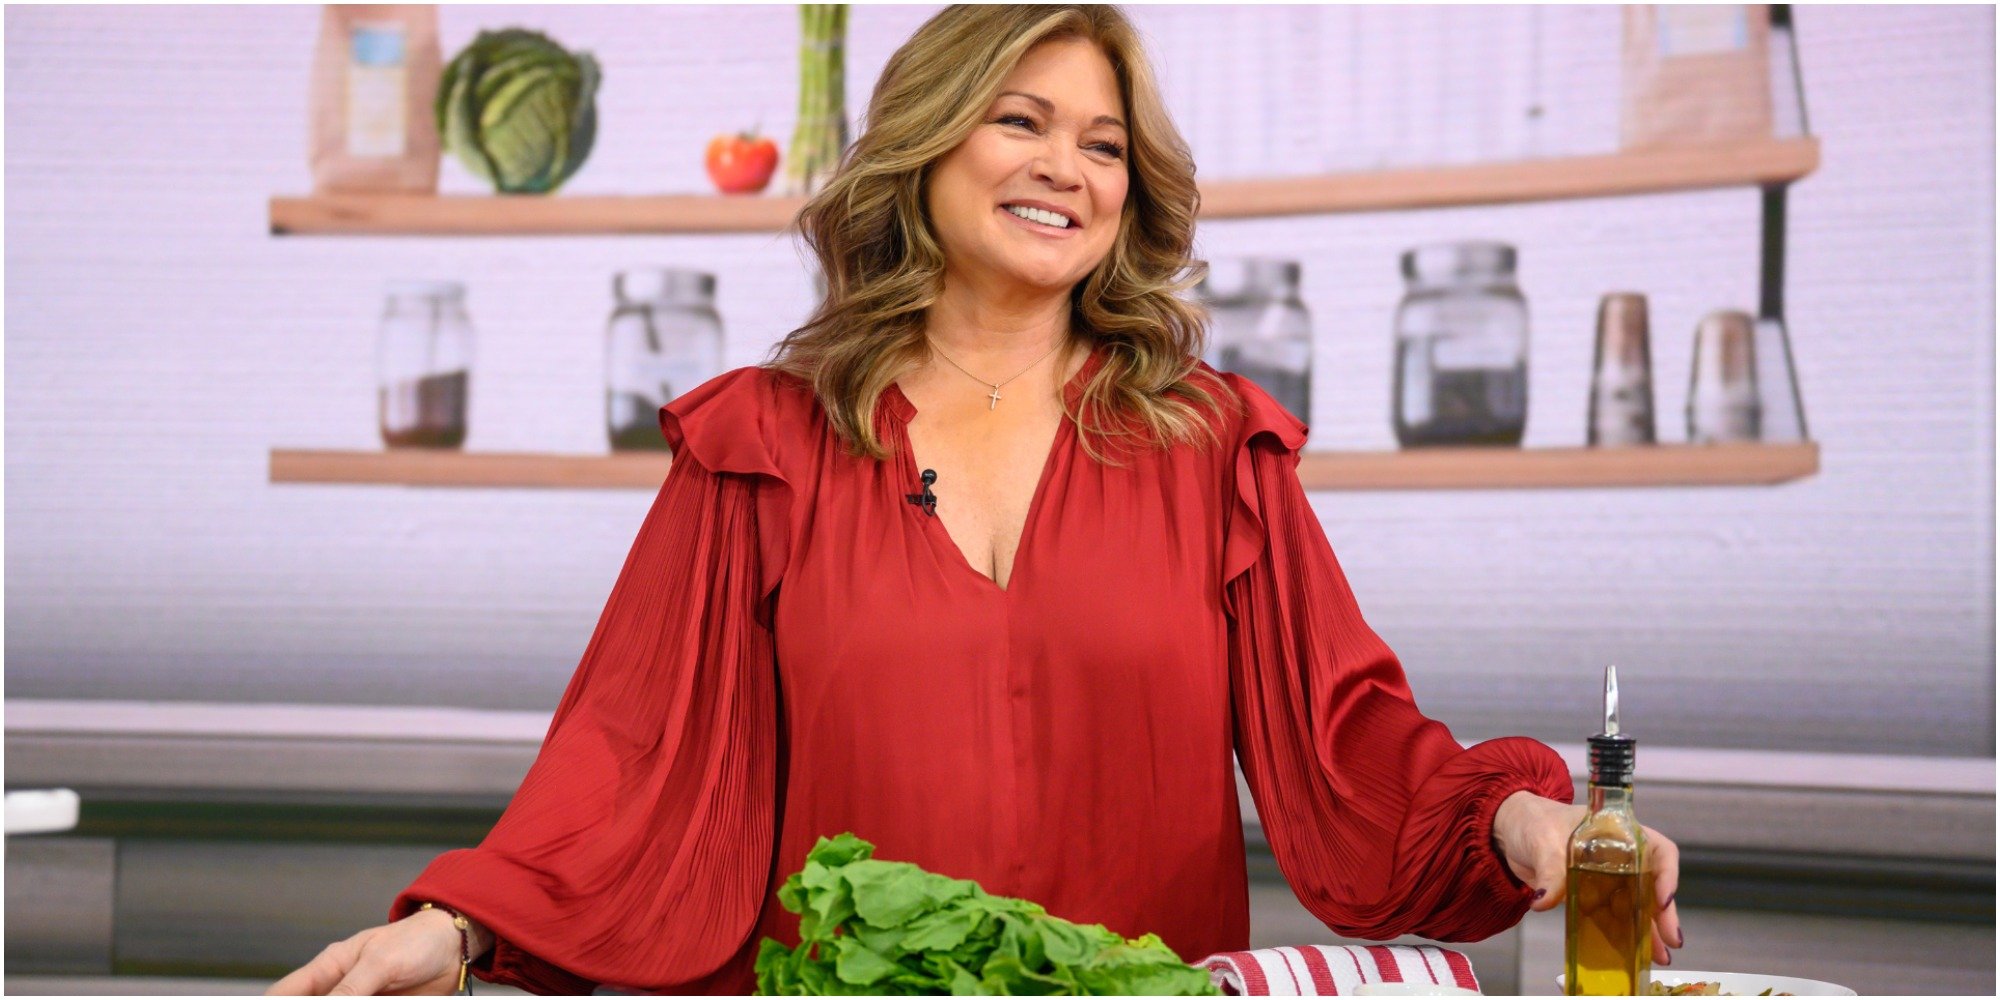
x=1539, y=893
x=1669, y=902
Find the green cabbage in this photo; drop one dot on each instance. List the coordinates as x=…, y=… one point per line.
x=876, y=927
x=519, y=110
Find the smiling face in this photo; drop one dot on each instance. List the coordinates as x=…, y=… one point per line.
x=1053, y=138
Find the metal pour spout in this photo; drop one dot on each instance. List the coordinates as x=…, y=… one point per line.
x=1611, y=700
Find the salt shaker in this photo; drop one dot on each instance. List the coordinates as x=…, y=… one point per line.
x=1621, y=387
x=1722, y=401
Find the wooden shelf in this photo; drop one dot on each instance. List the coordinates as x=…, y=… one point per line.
x=444, y=467
x=1425, y=469
x=1772, y=161
x=528, y=215
x=1531, y=468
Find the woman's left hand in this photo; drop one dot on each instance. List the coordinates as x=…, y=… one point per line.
x=1533, y=835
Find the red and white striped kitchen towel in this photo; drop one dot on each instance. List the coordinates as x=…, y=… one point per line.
x=1322, y=970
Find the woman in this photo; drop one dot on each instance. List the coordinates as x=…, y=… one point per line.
x=1031, y=671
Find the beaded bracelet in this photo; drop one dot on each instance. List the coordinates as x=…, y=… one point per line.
x=464, y=942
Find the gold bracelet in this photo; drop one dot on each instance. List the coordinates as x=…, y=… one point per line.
x=464, y=941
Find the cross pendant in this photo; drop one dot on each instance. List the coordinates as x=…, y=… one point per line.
x=995, y=398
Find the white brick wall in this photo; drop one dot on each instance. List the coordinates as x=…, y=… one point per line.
x=150, y=558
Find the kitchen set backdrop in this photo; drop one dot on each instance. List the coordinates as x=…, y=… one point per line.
x=1514, y=266
x=517, y=109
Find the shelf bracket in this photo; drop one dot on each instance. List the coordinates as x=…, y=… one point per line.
x=1771, y=249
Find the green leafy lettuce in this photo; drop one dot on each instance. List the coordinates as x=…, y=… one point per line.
x=876, y=927
x=519, y=110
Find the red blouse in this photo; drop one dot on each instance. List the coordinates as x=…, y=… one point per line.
x=792, y=650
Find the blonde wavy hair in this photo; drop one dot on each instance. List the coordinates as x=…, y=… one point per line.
x=883, y=264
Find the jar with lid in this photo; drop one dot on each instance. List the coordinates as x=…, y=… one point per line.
x=1225, y=291
x=664, y=338
x=1461, y=366
x=1261, y=328
x=423, y=363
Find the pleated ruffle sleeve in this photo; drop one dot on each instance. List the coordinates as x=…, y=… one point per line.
x=638, y=850
x=1379, y=819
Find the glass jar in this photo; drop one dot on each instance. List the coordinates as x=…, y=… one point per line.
x=664, y=338
x=1261, y=328
x=1225, y=290
x=1461, y=367
x=423, y=363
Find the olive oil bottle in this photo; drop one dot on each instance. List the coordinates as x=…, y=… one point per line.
x=1608, y=913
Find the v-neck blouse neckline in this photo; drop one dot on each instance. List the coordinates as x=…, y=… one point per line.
x=902, y=409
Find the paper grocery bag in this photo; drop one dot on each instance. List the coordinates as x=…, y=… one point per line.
x=374, y=88
x=1696, y=75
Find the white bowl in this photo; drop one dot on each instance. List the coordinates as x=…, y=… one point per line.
x=1743, y=984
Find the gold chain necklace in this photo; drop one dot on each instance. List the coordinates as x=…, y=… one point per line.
x=994, y=399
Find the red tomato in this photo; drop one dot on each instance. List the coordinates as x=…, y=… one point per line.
x=741, y=163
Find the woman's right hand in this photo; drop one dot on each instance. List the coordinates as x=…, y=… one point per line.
x=415, y=956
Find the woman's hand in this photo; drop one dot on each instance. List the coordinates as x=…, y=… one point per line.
x=417, y=955
x=1533, y=835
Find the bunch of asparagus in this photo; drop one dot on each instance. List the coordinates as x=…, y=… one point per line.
x=821, y=133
